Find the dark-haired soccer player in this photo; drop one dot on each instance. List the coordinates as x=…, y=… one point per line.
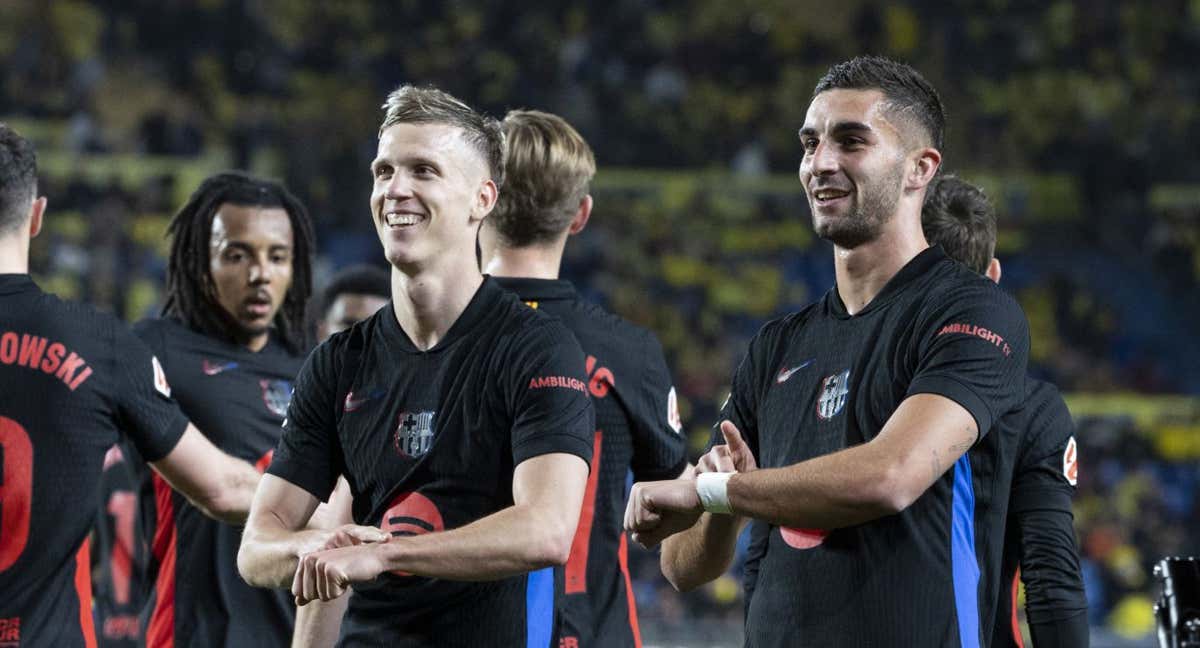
x=231, y=342
x=71, y=380
x=353, y=295
x=1039, y=538
x=459, y=416
x=548, y=167
x=859, y=427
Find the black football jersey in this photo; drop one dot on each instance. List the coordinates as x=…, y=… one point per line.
x=428, y=440
x=821, y=380
x=71, y=379
x=238, y=398
x=1039, y=538
x=638, y=428
x=119, y=555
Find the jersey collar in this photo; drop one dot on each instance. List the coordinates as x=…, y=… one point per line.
x=912, y=270
x=477, y=312
x=11, y=284
x=538, y=289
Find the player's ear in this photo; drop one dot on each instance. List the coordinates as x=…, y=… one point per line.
x=993, y=270
x=581, y=215
x=924, y=167
x=37, y=209
x=485, y=199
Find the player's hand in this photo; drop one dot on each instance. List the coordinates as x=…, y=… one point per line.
x=733, y=456
x=351, y=535
x=658, y=510
x=326, y=575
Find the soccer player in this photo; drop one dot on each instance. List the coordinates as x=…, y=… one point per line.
x=71, y=379
x=119, y=557
x=231, y=342
x=459, y=416
x=1039, y=538
x=353, y=295
x=850, y=422
x=548, y=166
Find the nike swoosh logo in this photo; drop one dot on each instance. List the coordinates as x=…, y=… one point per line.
x=784, y=374
x=214, y=369
x=353, y=403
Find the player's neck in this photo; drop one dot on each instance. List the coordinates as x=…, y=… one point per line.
x=427, y=303
x=533, y=262
x=14, y=255
x=863, y=271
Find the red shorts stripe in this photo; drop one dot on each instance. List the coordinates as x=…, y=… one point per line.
x=623, y=561
x=575, y=572
x=1016, y=625
x=160, y=632
x=83, y=589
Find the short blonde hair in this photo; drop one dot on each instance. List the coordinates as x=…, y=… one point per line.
x=410, y=104
x=549, y=167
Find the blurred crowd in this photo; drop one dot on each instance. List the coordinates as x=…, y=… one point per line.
x=1076, y=117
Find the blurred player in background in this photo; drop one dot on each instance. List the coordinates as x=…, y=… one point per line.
x=548, y=167
x=352, y=295
x=71, y=380
x=119, y=555
x=231, y=341
x=459, y=416
x=861, y=408
x=1039, y=538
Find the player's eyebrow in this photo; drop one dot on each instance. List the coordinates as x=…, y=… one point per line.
x=840, y=128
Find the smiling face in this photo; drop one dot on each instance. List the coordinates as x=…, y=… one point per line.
x=853, y=167
x=431, y=190
x=250, y=264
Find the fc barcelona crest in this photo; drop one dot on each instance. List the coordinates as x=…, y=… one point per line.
x=277, y=395
x=834, y=390
x=414, y=433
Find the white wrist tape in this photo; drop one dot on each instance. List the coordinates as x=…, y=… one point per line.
x=712, y=489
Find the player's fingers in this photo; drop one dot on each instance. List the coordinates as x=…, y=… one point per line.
x=298, y=583
x=722, y=459
x=311, y=575
x=367, y=534
x=733, y=437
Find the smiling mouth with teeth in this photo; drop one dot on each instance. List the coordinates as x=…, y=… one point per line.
x=394, y=219
x=825, y=195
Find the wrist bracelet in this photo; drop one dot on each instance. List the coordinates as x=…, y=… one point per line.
x=712, y=489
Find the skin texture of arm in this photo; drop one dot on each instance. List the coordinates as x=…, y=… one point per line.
x=318, y=624
x=923, y=438
x=221, y=486
x=276, y=537
x=535, y=532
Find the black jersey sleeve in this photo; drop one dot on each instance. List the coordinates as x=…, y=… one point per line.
x=147, y=413
x=973, y=349
x=658, y=444
x=551, y=407
x=1040, y=510
x=309, y=454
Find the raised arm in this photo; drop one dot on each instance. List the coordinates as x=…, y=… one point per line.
x=275, y=535
x=220, y=485
x=533, y=533
x=922, y=439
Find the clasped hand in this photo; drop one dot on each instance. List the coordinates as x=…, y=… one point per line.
x=660, y=509
x=350, y=555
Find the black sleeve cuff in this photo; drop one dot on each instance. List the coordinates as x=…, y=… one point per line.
x=163, y=446
x=959, y=393
x=306, y=477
